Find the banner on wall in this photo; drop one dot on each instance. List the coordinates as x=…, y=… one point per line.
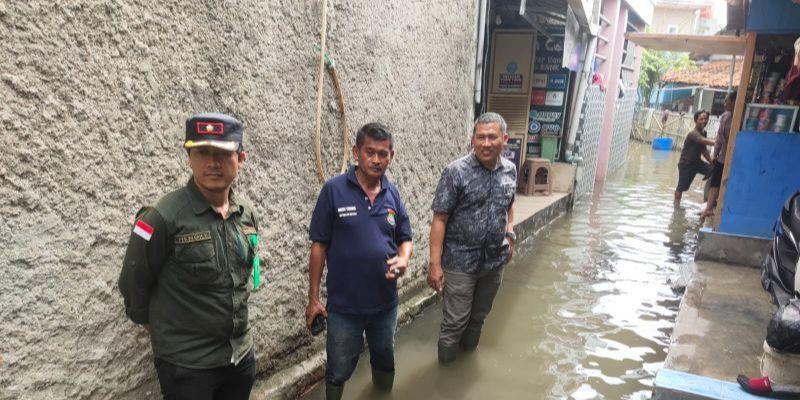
x=549, y=88
x=513, y=150
x=510, y=79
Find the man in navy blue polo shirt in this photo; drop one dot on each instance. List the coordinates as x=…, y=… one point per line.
x=360, y=229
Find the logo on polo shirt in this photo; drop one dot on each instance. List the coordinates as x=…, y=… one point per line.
x=390, y=216
x=347, y=211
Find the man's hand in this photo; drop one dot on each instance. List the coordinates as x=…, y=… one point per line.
x=510, y=250
x=312, y=310
x=436, y=277
x=397, y=267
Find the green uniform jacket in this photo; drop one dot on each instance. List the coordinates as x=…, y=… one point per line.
x=187, y=273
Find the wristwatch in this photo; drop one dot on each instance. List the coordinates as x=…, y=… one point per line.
x=511, y=235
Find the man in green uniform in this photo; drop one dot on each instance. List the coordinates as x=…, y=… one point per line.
x=188, y=269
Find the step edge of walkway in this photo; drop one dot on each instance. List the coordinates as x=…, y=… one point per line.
x=671, y=384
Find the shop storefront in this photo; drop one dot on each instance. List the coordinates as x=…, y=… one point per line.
x=531, y=88
x=762, y=165
x=549, y=97
x=762, y=162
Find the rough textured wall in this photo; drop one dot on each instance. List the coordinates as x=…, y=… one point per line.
x=94, y=97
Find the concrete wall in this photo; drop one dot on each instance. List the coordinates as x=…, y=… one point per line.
x=731, y=249
x=684, y=19
x=95, y=94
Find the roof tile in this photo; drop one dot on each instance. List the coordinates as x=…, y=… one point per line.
x=711, y=74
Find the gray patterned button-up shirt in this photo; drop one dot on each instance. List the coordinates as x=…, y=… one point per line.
x=476, y=201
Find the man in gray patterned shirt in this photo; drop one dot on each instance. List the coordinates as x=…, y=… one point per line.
x=472, y=235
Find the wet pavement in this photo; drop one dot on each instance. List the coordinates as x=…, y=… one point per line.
x=585, y=310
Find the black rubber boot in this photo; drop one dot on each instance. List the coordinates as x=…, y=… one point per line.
x=382, y=380
x=333, y=392
x=469, y=340
x=447, y=354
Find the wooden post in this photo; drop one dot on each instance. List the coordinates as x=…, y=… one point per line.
x=736, y=122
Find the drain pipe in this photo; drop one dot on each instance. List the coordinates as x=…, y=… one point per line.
x=480, y=58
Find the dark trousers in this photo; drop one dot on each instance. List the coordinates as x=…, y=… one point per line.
x=686, y=173
x=468, y=299
x=346, y=335
x=232, y=382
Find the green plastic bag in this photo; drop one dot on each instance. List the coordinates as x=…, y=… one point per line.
x=256, y=264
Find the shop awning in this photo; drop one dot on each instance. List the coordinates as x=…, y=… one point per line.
x=698, y=44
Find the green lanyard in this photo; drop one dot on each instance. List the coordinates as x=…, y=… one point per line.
x=256, y=264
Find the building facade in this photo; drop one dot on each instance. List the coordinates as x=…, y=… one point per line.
x=580, y=68
x=683, y=17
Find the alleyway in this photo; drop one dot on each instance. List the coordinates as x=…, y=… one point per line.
x=585, y=310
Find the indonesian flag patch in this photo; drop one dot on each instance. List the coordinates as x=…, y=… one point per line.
x=144, y=230
x=210, y=128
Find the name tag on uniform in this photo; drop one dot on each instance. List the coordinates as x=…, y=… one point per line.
x=192, y=237
x=349, y=211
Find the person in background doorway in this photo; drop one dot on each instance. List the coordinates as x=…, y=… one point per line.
x=791, y=91
x=472, y=235
x=361, y=231
x=720, y=148
x=690, y=163
x=186, y=275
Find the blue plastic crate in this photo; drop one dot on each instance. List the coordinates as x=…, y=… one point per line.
x=662, y=143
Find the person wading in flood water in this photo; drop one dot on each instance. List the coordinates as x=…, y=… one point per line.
x=690, y=163
x=472, y=235
x=361, y=231
x=720, y=149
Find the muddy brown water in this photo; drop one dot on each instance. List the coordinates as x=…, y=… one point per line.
x=586, y=307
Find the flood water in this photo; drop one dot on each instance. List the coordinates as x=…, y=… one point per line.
x=585, y=310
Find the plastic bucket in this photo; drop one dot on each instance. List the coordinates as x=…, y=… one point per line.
x=662, y=143
x=782, y=368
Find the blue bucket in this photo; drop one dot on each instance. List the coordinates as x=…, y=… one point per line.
x=662, y=143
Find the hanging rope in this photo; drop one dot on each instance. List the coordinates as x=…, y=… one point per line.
x=340, y=98
x=317, y=143
x=330, y=64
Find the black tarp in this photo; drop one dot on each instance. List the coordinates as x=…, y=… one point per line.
x=778, y=268
x=778, y=277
